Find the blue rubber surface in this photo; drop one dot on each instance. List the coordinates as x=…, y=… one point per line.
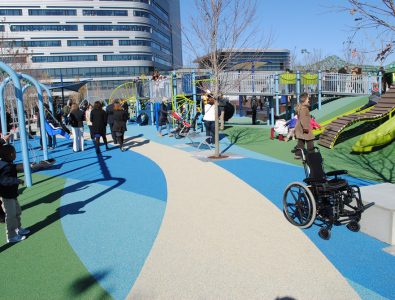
x=357, y=256
x=111, y=210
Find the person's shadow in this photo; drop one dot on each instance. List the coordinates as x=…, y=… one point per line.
x=74, y=208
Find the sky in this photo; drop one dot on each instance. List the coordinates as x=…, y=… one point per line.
x=305, y=24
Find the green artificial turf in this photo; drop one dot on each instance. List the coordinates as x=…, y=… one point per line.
x=44, y=266
x=377, y=166
x=338, y=107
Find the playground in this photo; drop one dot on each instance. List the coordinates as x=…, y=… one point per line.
x=163, y=221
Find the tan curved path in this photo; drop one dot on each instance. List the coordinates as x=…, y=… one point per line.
x=221, y=239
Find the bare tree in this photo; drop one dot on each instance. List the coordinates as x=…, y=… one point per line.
x=378, y=15
x=13, y=54
x=219, y=28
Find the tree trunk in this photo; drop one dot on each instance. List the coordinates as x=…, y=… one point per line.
x=216, y=132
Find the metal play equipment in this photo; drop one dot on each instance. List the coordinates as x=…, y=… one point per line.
x=21, y=119
x=39, y=90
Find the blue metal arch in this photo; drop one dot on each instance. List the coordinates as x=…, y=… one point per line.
x=39, y=90
x=2, y=105
x=21, y=119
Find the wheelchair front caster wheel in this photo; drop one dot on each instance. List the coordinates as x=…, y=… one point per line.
x=324, y=233
x=353, y=226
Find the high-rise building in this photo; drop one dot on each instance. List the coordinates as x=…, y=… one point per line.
x=107, y=40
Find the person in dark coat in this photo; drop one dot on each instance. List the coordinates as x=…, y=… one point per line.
x=77, y=127
x=119, y=127
x=9, y=184
x=303, y=130
x=254, y=107
x=110, y=119
x=98, y=117
x=163, y=118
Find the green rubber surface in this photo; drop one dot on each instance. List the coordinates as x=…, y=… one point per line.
x=376, y=166
x=44, y=266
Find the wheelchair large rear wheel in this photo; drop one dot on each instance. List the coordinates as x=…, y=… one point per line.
x=299, y=205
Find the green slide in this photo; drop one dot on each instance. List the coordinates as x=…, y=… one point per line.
x=380, y=136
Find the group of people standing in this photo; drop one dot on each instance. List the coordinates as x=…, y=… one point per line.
x=97, y=120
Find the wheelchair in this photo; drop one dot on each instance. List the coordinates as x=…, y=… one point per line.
x=324, y=199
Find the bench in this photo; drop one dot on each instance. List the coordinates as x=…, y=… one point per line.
x=379, y=220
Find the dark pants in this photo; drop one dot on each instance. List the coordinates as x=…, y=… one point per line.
x=91, y=132
x=114, y=138
x=300, y=145
x=97, y=140
x=119, y=136
x=51, y=141
x=253, y=116
x=210, y=130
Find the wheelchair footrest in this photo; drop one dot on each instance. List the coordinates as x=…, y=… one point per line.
x=365, y=207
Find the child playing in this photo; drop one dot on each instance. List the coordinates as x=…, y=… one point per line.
x=9, y=183
x=291, y=128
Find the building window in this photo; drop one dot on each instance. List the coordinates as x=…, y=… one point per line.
x=52, y=12
x=10, y=12
x=126, y=57
x=162, y=61
x=134, y=43
x=44, y=27
x=142, y=1
x=14, y=59
x=20, y=44
x=76, y=43
x=161, y=12
x=1, y=27
x=95, y=12
x=94, y=72
x=141, y=13
x=117, y=28
x=162, y=36
x=49, y=59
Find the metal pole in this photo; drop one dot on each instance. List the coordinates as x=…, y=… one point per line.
x=194, y=91
x=61, y=81
x=252, y=76
x=40, y=110
x=298, y=86
x=319, y=89
x=240, y=97
x=174, y=77
x=277, y=95
x=369, y=85
x=21, y=119
x=2, y=105
x=49, y=94
x=380, y=82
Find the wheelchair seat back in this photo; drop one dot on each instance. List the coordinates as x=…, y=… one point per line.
x=314, y=162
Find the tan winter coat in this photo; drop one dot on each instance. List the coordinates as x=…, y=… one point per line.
x=303, y=113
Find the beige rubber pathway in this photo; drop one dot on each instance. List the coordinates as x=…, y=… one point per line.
x=221, y=239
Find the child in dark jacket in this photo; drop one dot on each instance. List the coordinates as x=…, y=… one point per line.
x=9, y=184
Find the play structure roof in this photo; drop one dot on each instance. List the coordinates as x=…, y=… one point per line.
x=72, y=86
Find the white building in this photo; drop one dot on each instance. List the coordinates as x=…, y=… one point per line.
x=106, y=40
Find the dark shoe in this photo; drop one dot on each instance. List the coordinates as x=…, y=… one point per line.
x=297, y=157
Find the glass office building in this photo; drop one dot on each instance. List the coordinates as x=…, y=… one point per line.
x=264, y=59
x=99, y=39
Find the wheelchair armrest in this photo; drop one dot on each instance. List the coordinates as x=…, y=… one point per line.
x=337, y=173
x=310, y=180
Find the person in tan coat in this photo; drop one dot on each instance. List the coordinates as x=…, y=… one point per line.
x=303, y=130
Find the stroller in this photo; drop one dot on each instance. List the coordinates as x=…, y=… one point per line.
x=325, y=199
x=183, y=127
